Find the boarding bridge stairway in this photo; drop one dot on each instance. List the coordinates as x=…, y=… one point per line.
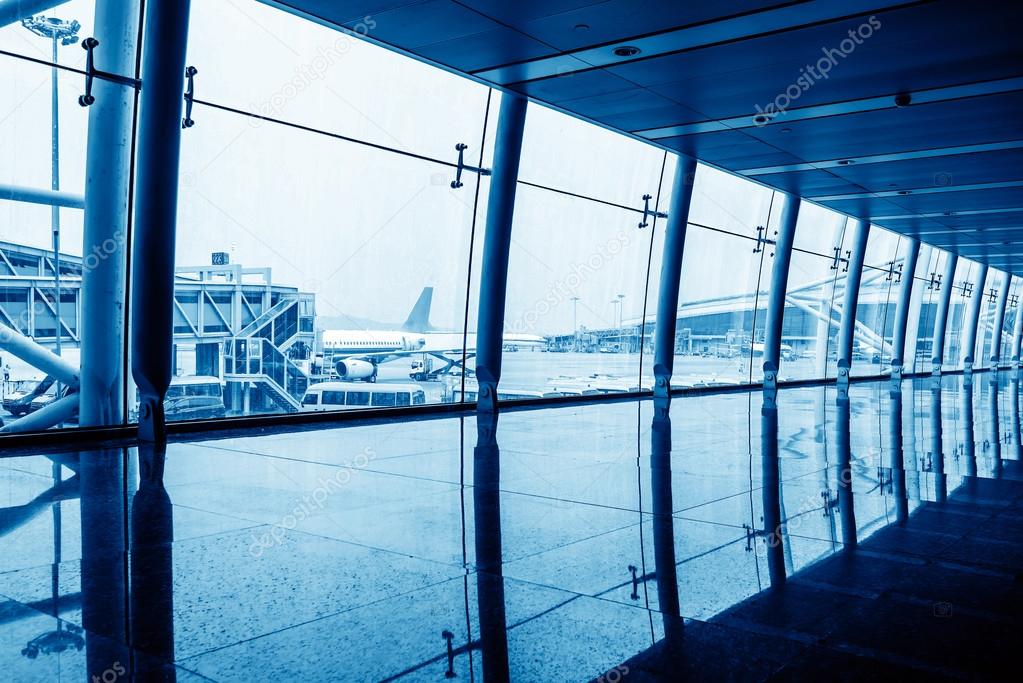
x=258, y=354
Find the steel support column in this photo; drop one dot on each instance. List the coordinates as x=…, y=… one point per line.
x=994, y=354
x=107, y=174
x=847, y=328
x=671, y=270
x=902, y=307
x=776, y=295
x=941, y=315
x=972, y=318
x=496, y=246
x=156, y=205
x=1017, y=336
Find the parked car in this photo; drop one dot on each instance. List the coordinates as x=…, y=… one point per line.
x=19, y=403
x=194, y=407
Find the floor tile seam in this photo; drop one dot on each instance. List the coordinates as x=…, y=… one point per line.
x=319, y=618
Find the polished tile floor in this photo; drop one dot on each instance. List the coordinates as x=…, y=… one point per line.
x=610, y=542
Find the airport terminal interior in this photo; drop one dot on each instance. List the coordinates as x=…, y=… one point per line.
x=549, y=340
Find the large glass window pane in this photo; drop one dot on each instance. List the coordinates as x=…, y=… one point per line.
x=994, y=285
x=1012, y=309
x=565, y=153
x=725, y=276
x=923, y=308
x=813, y=300
x=318, y=260
x=875, y=308
x=963, y=289
x=43, y=134
x=577, y=282
x=257, y=59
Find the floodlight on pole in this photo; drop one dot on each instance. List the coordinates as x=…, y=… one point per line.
x=63, y=32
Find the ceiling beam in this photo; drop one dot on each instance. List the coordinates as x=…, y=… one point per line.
x=883, y=158
x=820, y=111
x=937, y=189
x=731, y=29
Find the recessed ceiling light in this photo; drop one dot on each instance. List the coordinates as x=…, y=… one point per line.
x=786, y=130
x=582, y=27
x=626, y=51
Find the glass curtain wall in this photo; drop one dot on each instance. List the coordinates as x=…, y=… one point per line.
x=963, y=287
x=1009, y=326
x=994, y=285
x=43, y=134
x=580, y=260
x=813, y=300
x=875, y=307
x=726, y=271
x=923, y=309
x=329, y=243
x=319, y=226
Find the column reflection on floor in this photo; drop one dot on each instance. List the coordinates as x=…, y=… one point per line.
x=774, y=524
x=897, y=457
x=662, y=507
x=152, y=568
x=486, y=497
x=103, y=567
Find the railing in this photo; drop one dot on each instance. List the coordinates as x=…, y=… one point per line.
x=258, y=360
x=267, y=316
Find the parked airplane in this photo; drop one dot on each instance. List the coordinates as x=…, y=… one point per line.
x=355, y=354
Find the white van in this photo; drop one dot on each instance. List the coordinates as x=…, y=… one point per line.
x=348, y=395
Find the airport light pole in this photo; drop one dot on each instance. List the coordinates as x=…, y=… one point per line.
x=621, y=322
x=62, y=32
x=614, y=316
x=575, y=323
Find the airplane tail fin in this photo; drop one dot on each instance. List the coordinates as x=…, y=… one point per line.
x=419, y=319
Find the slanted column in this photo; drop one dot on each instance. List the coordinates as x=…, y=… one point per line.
x=847, y=328
x=902, y=307
x=995, y=351
x=941, y=319
x=1017, y=337
x=776, y=296
x=496, y=246
x=165, y=40
x=107, y=173
x=972, y=318
x=671, y=272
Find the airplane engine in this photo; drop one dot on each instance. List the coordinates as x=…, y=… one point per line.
x=351, y=369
